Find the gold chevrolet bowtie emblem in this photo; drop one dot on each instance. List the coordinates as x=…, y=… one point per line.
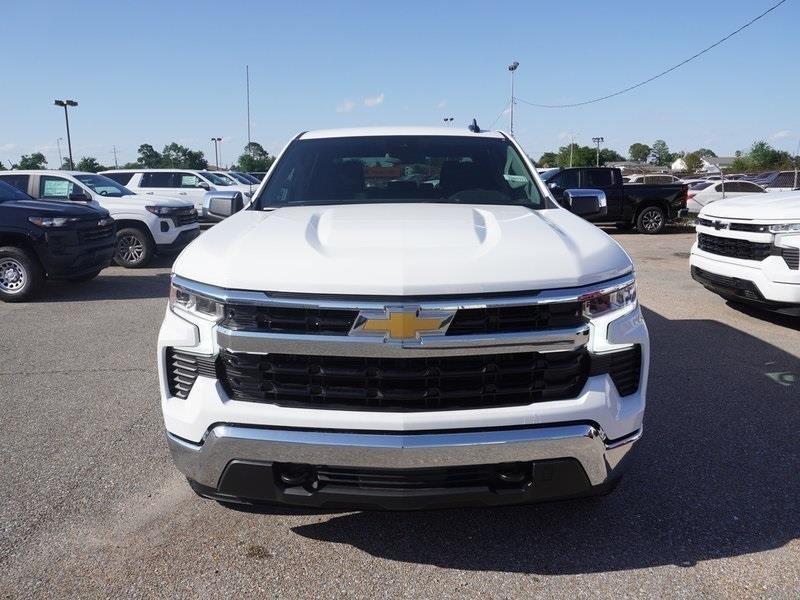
x=402, y=323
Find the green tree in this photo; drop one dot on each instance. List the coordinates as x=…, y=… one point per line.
x=660, y=153
x=705, y=153
x=764, y=156
x=741, y=164
x=177, y=156
x=89, y=164
x=639, y=152
x=693, y=162
x=255, y=158
x=547, y=160
x=608, y=155
x=2, y=166
x=149, y=157
x=34, y=161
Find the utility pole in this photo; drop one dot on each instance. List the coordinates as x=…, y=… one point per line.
x=60, y=158
x=216, y=140
x=66, y=104
x=114, y=150
x=513, y=68
x=571, y=148
x=247, y=72
x=598, y=141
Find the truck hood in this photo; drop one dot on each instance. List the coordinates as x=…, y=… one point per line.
x=55, y=208
x=772, y=206
x=402, y=250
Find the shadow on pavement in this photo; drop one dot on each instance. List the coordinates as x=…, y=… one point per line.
x=765, y=315
x=715, y=475
x=113, y=283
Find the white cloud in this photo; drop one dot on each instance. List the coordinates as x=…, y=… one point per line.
x=442, y=104
x=371, y=101
x=7, y=147
x=345, y=106
x=781, y=134
x=564, y=135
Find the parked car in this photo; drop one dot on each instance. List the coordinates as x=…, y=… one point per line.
x=349, y=340
x=146, y=225
x=49, y=240
x=238, y=177
x=713, y=191
x=780, y=181
x=748, y=250
x=185, y=184
x=647, y=207
x=654, y=179
x=258, y=175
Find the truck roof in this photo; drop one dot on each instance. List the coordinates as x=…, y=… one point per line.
x=47, y=172
x=388, y=131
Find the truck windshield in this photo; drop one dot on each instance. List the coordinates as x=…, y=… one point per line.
x=217, y=179
x=400, y=169
x=100, y=184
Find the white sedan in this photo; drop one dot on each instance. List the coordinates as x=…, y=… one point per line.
x=701, y=195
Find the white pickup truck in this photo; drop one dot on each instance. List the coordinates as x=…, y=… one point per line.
x=748, y=250
x=403, y=318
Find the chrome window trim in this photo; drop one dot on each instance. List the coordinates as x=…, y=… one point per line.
x=547, y=296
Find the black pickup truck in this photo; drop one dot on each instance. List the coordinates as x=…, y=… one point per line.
x=644, y=206
x=49, y=240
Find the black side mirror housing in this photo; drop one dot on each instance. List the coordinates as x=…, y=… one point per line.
x=79, y=197
x=222, y=205
x=589, y=204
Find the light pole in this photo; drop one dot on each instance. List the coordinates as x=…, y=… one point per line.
x=448, y=121
x=65, y=104
x=598, y=141
x=513, y=68
x=60, y=159
x=216, y=140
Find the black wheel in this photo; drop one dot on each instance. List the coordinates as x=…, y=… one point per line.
x=624, y=225
x=87, y=277
x=21, y=275
x=651, y=219
x=134, y=248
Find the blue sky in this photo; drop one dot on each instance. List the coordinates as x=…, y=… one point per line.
x=158, y=71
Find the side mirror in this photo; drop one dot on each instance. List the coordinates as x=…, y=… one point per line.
x=79, y=196
x=223, y=204
x=585, y=203
x=204, y=185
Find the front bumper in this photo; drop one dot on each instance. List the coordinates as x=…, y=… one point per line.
x=183, y=239
x=401, y=470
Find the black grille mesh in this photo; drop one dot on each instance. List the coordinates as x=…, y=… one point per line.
x=734, y=248
x=792, y=257
x=403, y=384
x=624, y=367
x=510, y=319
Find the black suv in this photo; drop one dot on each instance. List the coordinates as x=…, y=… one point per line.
x=49, y=240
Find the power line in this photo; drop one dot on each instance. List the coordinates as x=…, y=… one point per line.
x=502, y=112
x=665, y=72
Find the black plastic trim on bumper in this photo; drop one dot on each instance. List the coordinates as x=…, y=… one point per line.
x=741, y=290
x=261, y=484
x=183, y=240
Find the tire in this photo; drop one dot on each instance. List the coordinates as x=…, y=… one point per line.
x=134, y=248
x=624, y=225
x=21, y=275
x=87, y=277
x=651, y=220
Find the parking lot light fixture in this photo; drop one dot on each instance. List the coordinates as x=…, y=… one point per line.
x=513, y=68
x=66, y=104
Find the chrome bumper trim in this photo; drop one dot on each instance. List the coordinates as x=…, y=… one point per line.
x=254, y=342
x=205, y=463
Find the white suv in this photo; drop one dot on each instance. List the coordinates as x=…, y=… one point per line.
x=186, y=184
x=403, y=318
x=748, y=250
x=146, y=225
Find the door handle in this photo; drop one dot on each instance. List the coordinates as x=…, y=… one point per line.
x=182, y=193
x=149, y=193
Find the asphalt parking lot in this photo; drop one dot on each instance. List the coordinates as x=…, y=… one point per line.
x=91, y=506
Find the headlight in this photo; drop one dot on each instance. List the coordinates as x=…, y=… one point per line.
x=182, y=299
x=598, y=304
x=51, y=221
x=161, y=210
x=785, y=228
